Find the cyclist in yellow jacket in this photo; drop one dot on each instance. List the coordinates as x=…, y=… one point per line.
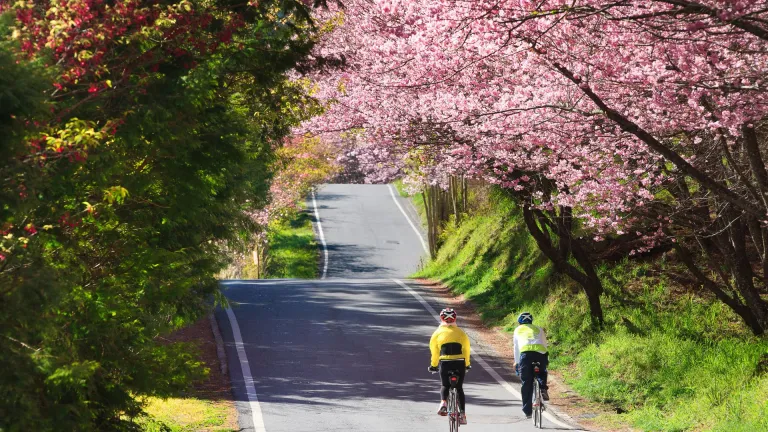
x=530, y=344
x=450, y=353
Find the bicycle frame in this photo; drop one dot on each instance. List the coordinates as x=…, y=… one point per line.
x=453, y=404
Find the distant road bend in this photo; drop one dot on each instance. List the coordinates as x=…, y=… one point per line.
x=350, y=352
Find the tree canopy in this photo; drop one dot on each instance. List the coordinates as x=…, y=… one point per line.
x=136, y=137
x=634, y=120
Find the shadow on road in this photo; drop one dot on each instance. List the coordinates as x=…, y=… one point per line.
x=342, y=342
x=355, y=262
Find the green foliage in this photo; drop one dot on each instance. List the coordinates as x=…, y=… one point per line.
x=293, y=250
x=21, y=95
x=400, y=188
x=673, y=360
x=113, y=208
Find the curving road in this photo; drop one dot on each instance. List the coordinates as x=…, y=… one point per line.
x=350, y=352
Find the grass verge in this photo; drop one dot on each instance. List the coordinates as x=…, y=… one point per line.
x=293, y=251
x=667, y=360
x=187, y=414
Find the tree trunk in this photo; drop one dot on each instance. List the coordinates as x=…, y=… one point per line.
x=257, y=261
x=743, y=276
x=429, y=209
x=454, y=192
x=464, y=193
x=588, y=279
x=438, y=207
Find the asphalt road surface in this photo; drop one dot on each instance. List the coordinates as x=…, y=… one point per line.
x=350, y=352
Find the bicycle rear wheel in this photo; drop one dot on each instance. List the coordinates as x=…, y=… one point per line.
x=453, y=411
x=457, y=409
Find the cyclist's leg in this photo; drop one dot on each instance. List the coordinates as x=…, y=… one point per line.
x=526, y=375
x=445, y=388
x=444, y=380
x=447, y=366
x=460, y=388
x=543, y=359
x=460, y=392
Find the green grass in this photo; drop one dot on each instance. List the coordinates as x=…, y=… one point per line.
x=673, y=361
x=185, y=415
x=293, y=252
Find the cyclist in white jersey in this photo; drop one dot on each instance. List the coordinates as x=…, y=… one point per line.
x=530, y=344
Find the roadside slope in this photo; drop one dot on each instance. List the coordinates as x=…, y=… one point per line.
x=667, y=359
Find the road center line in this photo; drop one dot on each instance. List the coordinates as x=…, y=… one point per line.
x=418, y=233
x=479, y=359
x=322, y=237
x=250, y=389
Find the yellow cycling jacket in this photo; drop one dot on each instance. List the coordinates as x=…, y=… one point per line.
x=449, y=343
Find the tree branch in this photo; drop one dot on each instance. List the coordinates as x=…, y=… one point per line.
x=631, y=127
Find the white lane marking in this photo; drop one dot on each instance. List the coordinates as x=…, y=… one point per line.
x=492, y=372
x=322, y=237
x=250, y=389
x=418, y=233
x=421, y=300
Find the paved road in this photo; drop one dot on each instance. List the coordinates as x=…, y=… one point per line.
x=366, y=232
x=349, y=353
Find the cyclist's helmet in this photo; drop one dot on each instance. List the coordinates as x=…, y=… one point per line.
x=448, y=315
x=525, y=318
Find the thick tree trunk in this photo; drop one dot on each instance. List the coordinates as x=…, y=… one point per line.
x=734, y=196
x=756, y=162
x=587, y=277
x=734, y=248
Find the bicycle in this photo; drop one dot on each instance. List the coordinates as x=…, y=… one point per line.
x=453, y=403
x=538, y=401
x=454, y=413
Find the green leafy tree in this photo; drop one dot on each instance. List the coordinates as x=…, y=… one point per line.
x=126, y=164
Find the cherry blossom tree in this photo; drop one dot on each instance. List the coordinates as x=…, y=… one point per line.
x=644, y=116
